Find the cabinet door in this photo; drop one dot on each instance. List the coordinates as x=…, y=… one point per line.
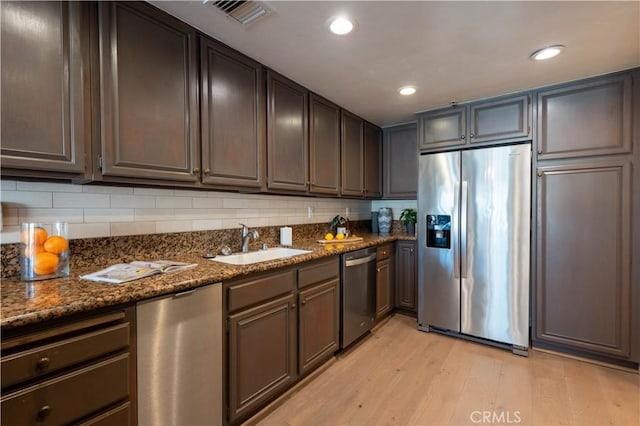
x=261, y=355
x=592, y=118
x=233, y=117
x=372, y=147
x=442, y=128
x=45, y=99
x=583, y=293
x=149, y=114
x=406, y=283
x=324, y=146
x=319, y=324
x=400, y=158
x=287, y=143
x=352, y=153
x=501, y=120
x=384, y=288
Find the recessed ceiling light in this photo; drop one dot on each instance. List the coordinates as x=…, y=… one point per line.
x=340, y=25
x=407, y=90
x=547, y=52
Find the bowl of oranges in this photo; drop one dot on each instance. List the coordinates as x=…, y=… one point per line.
x=44, y=251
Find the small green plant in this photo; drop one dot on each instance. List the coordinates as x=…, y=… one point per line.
x=409, y=216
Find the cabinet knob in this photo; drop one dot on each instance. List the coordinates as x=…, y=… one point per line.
x=207, y=171
x=195, y=171
x=539, y=174
x=462, y=137
x=293, y=306
x=379, y=269
x=411, y=250
x=43, y=412
x=472, y=135
x=43, y=363
x=304, y=301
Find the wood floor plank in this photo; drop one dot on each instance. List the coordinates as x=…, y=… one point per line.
x=622, y=398
x=401, y=376
x=585, y=395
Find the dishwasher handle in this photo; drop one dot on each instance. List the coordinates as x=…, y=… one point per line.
x=360, y=260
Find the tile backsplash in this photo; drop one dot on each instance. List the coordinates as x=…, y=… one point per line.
x=396, y=206
x=107, y=211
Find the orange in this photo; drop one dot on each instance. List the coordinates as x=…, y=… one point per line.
x=32, y=250
x=37, y=237
x=45, y=263
x=56, y=244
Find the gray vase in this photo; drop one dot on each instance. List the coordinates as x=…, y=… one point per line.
x=385, y=217
x=374, y=222
x=411, y=228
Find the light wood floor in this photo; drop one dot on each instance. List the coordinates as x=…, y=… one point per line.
x=401, y=376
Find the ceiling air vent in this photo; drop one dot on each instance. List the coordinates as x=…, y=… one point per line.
x=245, y=12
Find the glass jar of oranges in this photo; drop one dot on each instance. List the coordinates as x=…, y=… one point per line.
x=44, y=251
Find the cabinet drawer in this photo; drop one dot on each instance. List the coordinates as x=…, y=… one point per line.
x=119, y=416
x=318, y=272
x=247, y=293
x=42, y=360
x=70, y=397
x=383, y=252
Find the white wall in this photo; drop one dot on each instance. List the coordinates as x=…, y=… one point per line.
x=102, y=211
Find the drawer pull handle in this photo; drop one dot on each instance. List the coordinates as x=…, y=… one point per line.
x=43, y=363
x=44, y=412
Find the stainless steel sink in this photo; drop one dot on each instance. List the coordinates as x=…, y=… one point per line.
x=260, y=256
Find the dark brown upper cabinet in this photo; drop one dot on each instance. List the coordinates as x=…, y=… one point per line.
x=324, y=146
x=148, y=93
x=45, y=90
x=442, y=128
x=372, y=161
x=352, y=155
x=499, y=120
x=232, y=117
x=589, y=118
x=506, y=119
x=287, y=135
x=400, y=158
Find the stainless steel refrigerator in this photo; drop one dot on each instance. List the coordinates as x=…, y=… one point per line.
x=474, y=244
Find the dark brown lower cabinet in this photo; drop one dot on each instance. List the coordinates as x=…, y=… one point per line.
x=384, y=281
x=80, y=372
x=319, y=324
x=280, y=326
x=262, y=355
x=583, y=277
x=406, y=277
x=262, y=341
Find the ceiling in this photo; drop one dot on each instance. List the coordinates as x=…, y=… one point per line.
x=449, y=50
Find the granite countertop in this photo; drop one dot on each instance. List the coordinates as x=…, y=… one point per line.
x=38, y=301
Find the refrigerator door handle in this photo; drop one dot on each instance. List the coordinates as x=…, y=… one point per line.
x=454, y=232
x=463, y=229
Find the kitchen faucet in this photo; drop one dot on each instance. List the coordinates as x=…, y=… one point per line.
x=247, y=234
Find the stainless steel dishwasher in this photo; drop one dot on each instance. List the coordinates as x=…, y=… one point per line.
x=358, y=294
x=179, y=346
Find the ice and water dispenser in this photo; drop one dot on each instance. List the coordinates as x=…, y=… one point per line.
x=439, y=231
